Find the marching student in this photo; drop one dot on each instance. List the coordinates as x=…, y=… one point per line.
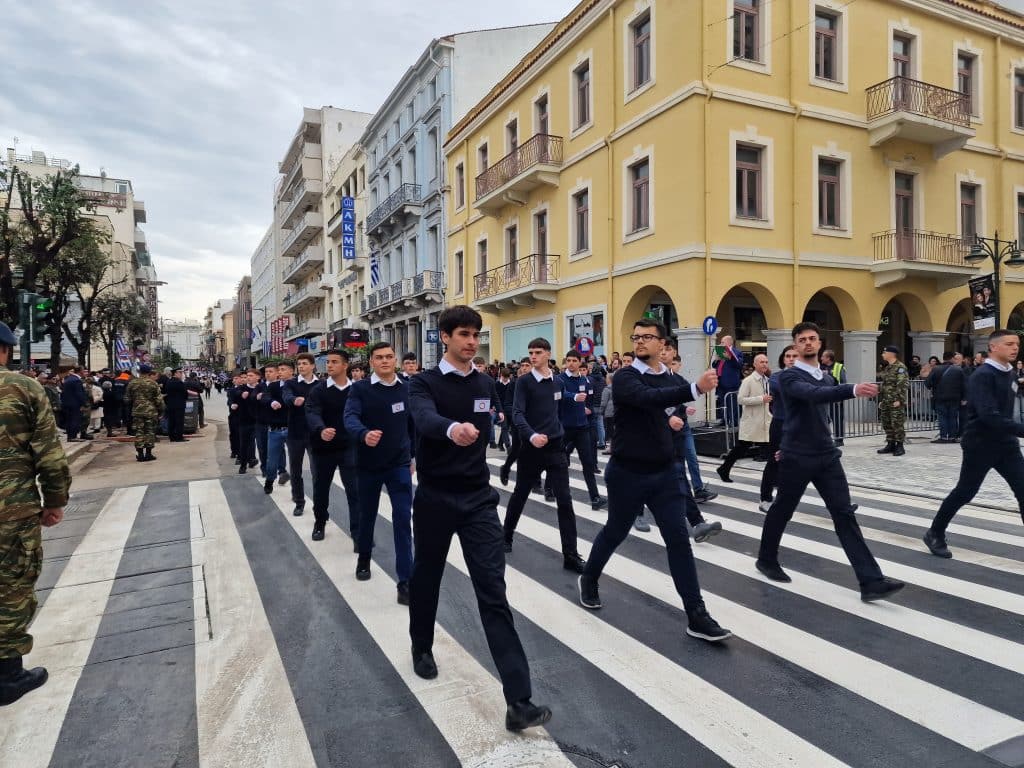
x=643, y=470
x=991, y=438
x=330, y=446
x=451, y=408
x=378, y=418
x=276, y=417
x=535, y=415
x=577, y=391
x=244, y=403
x=516, y=445
x=294, y=392
x=809, y=455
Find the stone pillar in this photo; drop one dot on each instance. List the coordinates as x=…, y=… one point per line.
x=981, y=342
x=778, y=340
x=925, y=344
x=694, y=354
x=860, y=353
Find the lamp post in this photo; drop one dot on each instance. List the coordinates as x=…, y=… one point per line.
x=997, y=250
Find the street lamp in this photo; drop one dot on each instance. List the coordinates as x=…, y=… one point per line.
x=997, y=250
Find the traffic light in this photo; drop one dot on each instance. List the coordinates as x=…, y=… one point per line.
x=40, y=310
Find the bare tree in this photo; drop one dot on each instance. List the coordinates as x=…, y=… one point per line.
x=119, y=314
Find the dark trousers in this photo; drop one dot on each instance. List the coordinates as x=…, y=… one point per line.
x=948, y=413
x=661, y=491
x=398, y=481
x=504, y=436
x=261, y=445
x=233, y=433
x=438, y=515
x=323, y=466
x=582, y=439
x=532, y=461
x=176, y=423
x=979, y=458
x=112, y=414
x=825, y=471
x=770, y=476
x=72, y=421
x=513, y=450
x=246, y=442
x=742, y=450
x=297, y=449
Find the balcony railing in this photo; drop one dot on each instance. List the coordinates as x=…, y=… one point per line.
x=914, y=245
x=428, y=280
x=541, y=149
x=407, y=194
x=110, y=199
x=901, y=94
x=532, y=270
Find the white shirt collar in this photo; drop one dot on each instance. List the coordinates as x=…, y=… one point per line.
x=643, y=367
x=572, y=375
x=330, y=383
x=814, y=370
x=310, y=380
x=375, y=379
x=445, y=367
x=540, y=378
x=999, y=366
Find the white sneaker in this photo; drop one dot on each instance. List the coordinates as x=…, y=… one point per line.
x=764, y=506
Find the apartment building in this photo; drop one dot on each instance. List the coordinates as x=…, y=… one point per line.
x=185, y=337
x=266, y=296
x=758, y=162
x=323, y=134
x=405, y=178
x=347, y=255
x=213, y=332
x=243, y=323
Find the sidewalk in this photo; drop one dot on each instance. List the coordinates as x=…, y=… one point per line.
x=927, y=470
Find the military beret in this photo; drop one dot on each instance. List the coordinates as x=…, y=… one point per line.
x=145, y=368
x=891, y=348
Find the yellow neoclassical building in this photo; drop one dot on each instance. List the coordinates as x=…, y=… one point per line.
x=762, y=162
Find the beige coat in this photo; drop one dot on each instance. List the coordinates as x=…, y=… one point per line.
x=756, y=417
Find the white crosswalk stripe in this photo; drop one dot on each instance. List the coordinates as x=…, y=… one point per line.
x=248, y=698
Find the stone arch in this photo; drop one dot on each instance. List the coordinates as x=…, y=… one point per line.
x=745, y=295
x=960, y=327
x=850, y=313
x=645, y=299
x=917, y=312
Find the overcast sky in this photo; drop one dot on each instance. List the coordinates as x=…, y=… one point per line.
x=195, y=102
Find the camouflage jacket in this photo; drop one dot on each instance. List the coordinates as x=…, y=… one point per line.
x=144, y=395
x=893, y=384
x=30, y=450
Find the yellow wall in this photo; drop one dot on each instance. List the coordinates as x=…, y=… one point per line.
x=689, y=119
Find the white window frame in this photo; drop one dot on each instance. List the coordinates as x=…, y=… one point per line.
x=639, y=154
x=919, y=191
x=484, y=142
x=1016, y=66
x=587, y=57
x=767, y=144
x=977, y=78
x=1018, y=192
x=582, y=185
x=460, y=161
x=545, y=208
x=764, y=15
x=831, y=152
x=476, y=255
x=512, y=222
x=629, y=93
x=519, y=131
x=980, y=202
x=544, y=92
x=459, y=270
x=904, y=29
x=838, y=10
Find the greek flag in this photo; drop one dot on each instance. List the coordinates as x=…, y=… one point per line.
x=374, y=271
x=121, y=353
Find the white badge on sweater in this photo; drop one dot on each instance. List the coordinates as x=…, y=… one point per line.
x=397, y=407
x=583, y=388
x=481, y=405
x=558, y=394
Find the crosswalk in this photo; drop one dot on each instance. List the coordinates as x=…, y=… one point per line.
x=196, y=623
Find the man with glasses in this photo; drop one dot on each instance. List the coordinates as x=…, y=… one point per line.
x=643, y=470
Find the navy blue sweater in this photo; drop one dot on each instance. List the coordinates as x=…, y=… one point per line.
x=573, y=415
x=325, y=408
x=535, y=407
x=290, y=391
x=805, y=431
x=247, y=406
x=644, y=442
x=438, y=401
x=270, y=416
x=990, y=419
x=377, y=406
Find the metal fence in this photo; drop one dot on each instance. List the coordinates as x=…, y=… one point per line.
x=858, y=417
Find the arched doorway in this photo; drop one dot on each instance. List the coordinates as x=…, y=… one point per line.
x=960, y=326
x=895, y=328
x=745, y=317
x=824, y=312
x=653, y=302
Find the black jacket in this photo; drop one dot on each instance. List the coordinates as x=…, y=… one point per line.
x=175, y=394
x=948, y=383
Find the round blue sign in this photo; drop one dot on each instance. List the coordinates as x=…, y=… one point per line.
x=710, y=325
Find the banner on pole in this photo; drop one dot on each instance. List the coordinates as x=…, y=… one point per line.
x=983, y=301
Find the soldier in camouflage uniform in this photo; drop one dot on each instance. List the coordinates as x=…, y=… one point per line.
x=30, y=451
x=894, y=385
x=147, y=405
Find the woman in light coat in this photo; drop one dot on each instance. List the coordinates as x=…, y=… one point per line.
x=755, y=397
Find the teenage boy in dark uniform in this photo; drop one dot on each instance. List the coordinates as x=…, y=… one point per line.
x=244, y=403
x=577, y=393
x=535, y=415
x=294, y=392
x=451, y=408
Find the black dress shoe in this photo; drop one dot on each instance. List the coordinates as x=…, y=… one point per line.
x=283, y=477
x=881, y=589
x=508, y=547
x=773, y=571
x=241, y=469
x=724, y=474
x=936, y=544
x=423, y=664
x=599, y=503
x=318, y=531
x=525, y=714
x=503, y=475
x=298, y=510
x=19, y=681
x=268, y=486
x=590, y=597
x=573, y=563
x=402, y=593
x=549, y=496
x=363, y=569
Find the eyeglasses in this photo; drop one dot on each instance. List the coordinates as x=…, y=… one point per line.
x=644, y=337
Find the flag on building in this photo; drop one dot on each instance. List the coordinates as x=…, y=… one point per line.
x=374, y=271
x=124, y=362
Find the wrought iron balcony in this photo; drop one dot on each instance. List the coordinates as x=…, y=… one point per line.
x=109, y=199
x=533, y=277
x=910, y=109
x=406, y=199
x=428, y=280
x=900, y=254
x=525, y=168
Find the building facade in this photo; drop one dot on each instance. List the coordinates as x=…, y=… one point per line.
x=184, y=337
x=684, y=160
x=243, y=323
x=405, y=178
x=214, y=335
x=347, y=256
x=266, y=297
x=324, y=134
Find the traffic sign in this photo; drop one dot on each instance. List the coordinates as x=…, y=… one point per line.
x=433, y=336
x=585, y=346
x=710, y=325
